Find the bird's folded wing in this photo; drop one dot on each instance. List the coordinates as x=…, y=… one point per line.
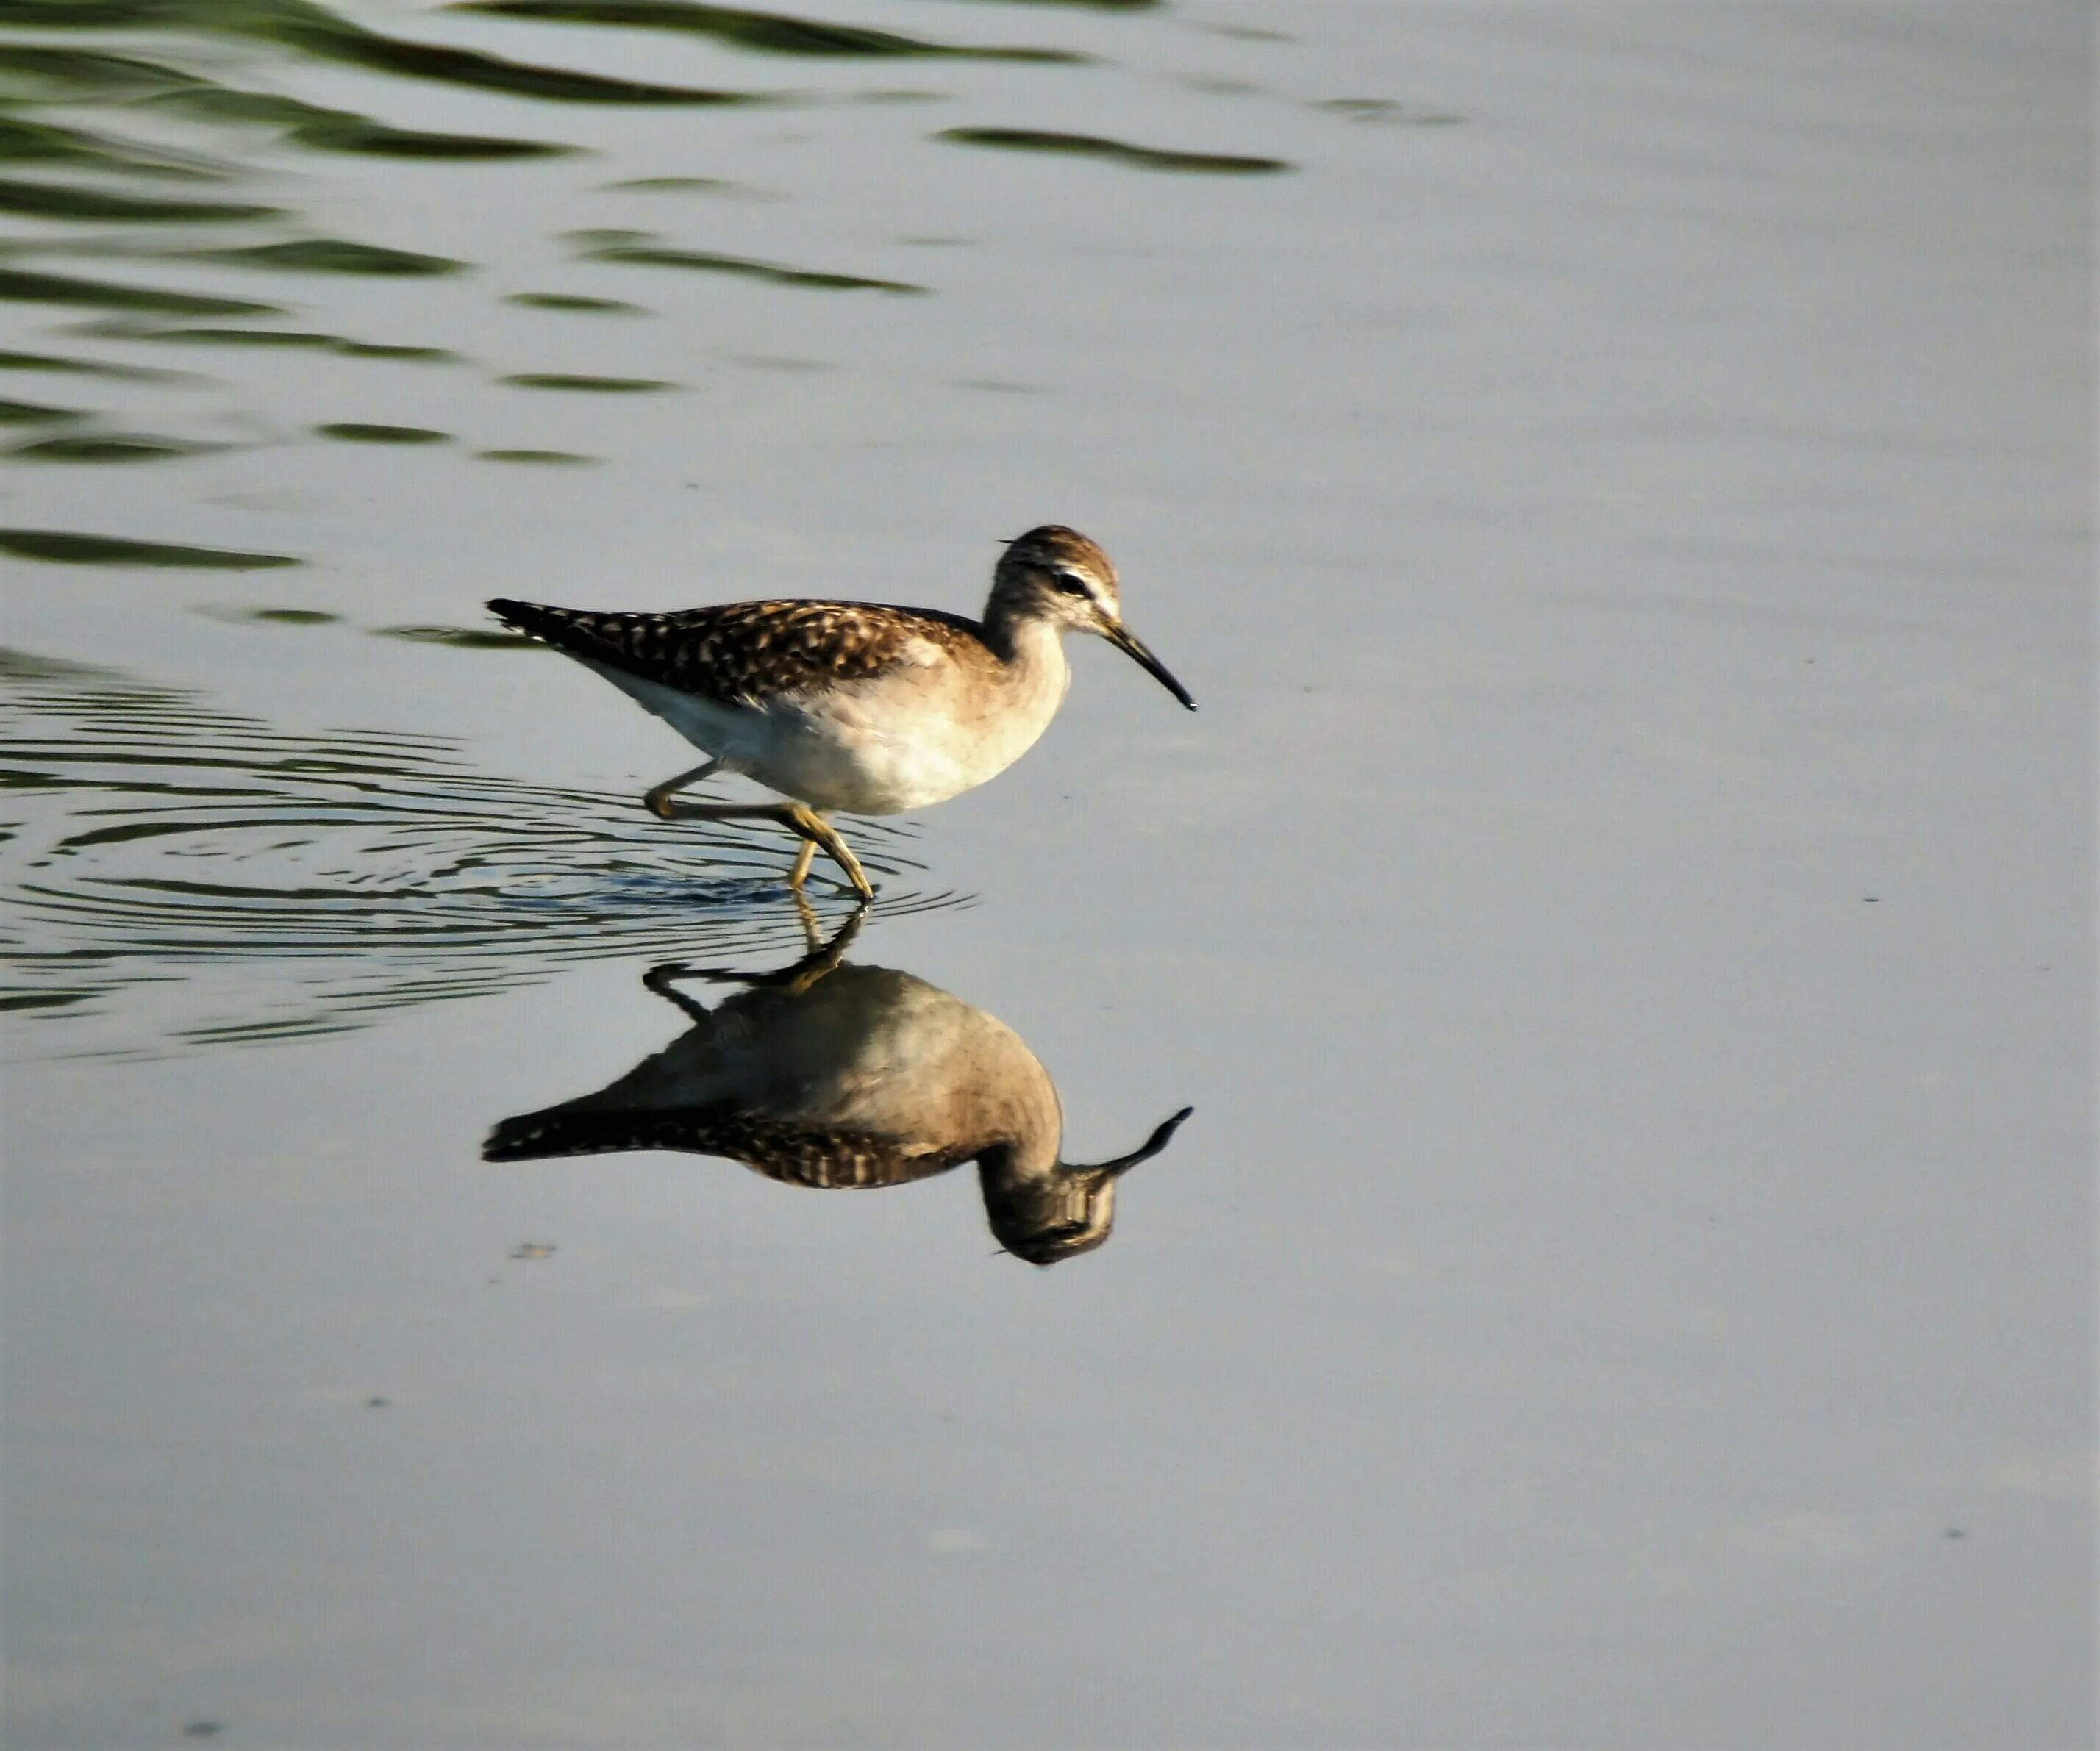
x=743, y=651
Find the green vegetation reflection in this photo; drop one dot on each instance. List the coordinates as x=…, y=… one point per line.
x=25, y=142
x=58, y=200
x=18, y=285
x=676, y=185
x=64, y=547
x=1115, y=152
x=323, y=130
x=57, y=365
x=550, y=458
x=118, y=329
x=769, y=32
x=358, y=431
x=332, y=255
x=576, y=302
x=34, y=413
x=576, y=381
x=45, y=73
x=702, y=261
x=271, y=616
x=111, y=446
x=313, y=30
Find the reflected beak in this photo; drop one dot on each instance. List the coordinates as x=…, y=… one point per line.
x=1162, y=1135
x=1132, y=646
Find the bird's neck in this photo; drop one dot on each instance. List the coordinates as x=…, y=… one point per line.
x=1029, y=648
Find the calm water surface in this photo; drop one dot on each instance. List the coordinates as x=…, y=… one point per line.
x=1617, y=478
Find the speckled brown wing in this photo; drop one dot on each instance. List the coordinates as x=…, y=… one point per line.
x=827, y=1157
x=744, y=651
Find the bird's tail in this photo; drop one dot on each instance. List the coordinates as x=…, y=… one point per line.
x=571, y=1130
x=574, y=629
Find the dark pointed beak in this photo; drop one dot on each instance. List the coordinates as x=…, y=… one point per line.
x=1162, y=1135
x=1128, y=642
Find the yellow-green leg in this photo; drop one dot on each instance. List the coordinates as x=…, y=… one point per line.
x=657, y=801
x=815, y=829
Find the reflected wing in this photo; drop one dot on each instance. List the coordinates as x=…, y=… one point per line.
x=830, y=1160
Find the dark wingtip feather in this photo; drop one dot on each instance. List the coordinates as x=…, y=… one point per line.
x=566, y=629
x=525, y=616
x=542, y=1136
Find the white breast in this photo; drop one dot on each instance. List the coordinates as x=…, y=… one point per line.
x=919, y=733
x=907, y=739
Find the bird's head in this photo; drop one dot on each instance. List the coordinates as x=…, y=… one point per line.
x=1057, y=576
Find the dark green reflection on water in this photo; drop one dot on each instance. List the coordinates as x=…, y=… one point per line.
x=845, y=1078
x=34, y=71
x=34, y=413
x=112, y=447
x=66, y=548
x=702, y=261
x=676, y=184
x=358, y=431
x=155, y=90
x=273, y=616
x=389, y=349
x=1115, y=152
x=342, y=131
x=18, y=285
x=133, y=331
x=576, y=302
x=314, y=30
x=123, y=329
x=58, y=200
x=182, y=875
x=577, y=382
x=57, y=365
x=1085, y=5
x=23, y=141
x=770, y=32
x=332, y=255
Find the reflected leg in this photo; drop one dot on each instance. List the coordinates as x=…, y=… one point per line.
x=813, y=934
x=658, y=979
x=822, y=958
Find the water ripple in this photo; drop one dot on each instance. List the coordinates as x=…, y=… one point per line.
x=178, y=876
x=1114, y=152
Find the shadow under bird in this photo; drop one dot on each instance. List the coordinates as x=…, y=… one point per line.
x=842, y=1077
x=856, y=707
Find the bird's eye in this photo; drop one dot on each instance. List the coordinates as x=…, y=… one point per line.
x=1071, y=583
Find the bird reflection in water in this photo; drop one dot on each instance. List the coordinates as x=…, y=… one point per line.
x=837, y=1076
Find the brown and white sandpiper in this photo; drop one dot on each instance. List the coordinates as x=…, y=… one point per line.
x=857, y=706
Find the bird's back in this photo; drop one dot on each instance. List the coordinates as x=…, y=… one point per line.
x=746, y=653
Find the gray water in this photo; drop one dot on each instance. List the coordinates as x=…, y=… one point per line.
x=1617, y=479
